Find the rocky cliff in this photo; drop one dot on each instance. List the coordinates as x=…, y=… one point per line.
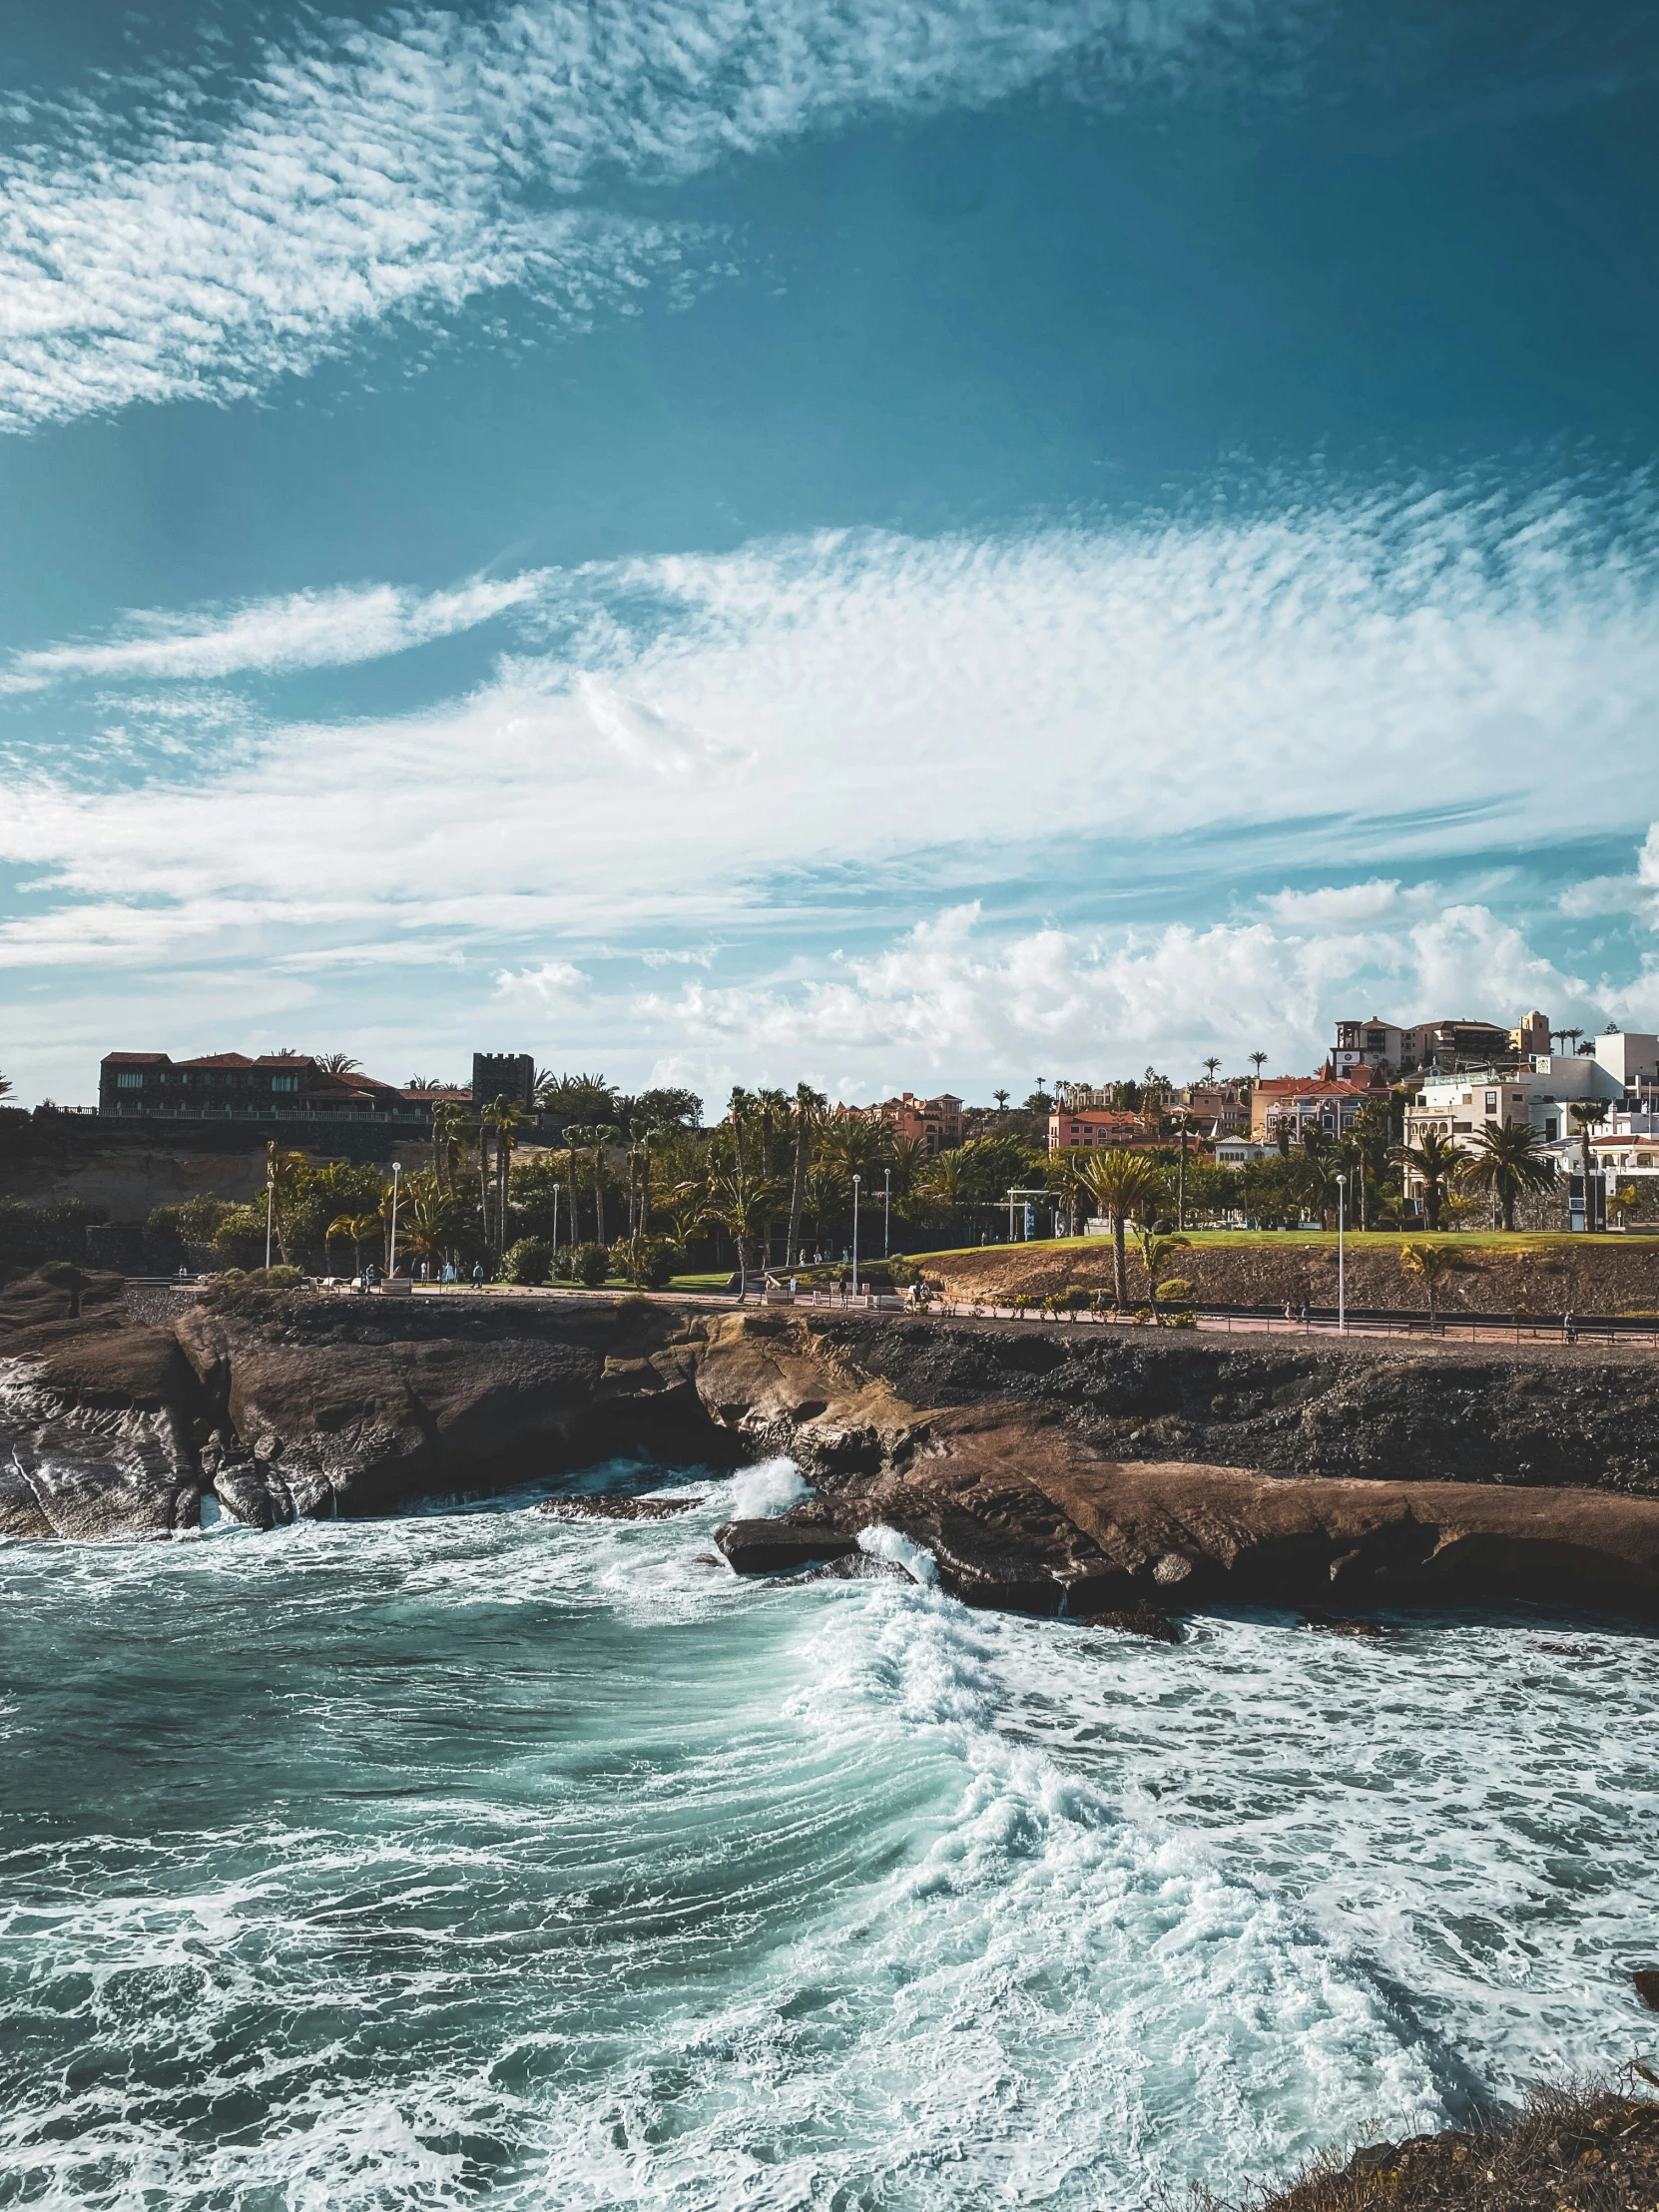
x=1043, y=1468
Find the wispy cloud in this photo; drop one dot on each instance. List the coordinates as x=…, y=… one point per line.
x=191, y=232
x=903, y=709
x=802, y=744
x=303, y=630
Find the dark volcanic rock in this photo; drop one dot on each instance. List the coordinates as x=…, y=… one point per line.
x=1646, y=1979
x=1138, y=1620
x=1039, y=1469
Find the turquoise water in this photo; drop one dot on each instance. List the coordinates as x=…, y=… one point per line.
x=476, y=1855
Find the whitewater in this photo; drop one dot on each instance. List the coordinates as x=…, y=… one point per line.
x=480, y=1855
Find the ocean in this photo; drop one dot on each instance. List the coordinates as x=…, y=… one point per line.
x=477, y=1856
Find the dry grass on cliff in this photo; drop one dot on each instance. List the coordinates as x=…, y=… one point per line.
x=1576, y=2148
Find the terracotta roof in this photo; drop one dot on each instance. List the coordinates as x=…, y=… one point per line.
x=133, y=1059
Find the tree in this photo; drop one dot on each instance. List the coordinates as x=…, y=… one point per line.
x=1258, y=1061
x=1121, y=1182
x=285, y=1173
x=1587, y=1114
x=807, y=1106
x=1434, y=1159
x=449, y=1132
x=1507, y=1159
x=506, y=1116
x=1368, y=1145
x=5, y=1086
x=1431, y=1264
x=743, y=1202
x=359, y=1228
x=1002, y=1098
x=339, y=1063
x=429, y=1219
x=1156, y=1252
x=1210, y=1067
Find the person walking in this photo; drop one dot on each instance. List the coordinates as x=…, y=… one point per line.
x=478, y=1274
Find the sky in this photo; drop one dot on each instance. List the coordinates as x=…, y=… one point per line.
x=917, y=544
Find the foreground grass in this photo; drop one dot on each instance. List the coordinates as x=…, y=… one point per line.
x=1571, y=2149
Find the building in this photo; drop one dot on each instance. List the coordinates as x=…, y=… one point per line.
x=1297, y=1104
x=505, y=1075
x=1447, y=1044
x=1541, y=1095
x=1067, y=1130
x=1213, y=1106
x=1367, y=1044
x=934, y=1123
x=217, y=1084
x=1242, y=1152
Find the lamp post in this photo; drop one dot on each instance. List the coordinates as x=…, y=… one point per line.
x=555, y=1229
x=270, y=1209
x=1342, y=1255
x=856, y=1182
x=392, y=1255
x=886, y=1212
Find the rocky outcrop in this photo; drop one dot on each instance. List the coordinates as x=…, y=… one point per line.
x=1044, y=1469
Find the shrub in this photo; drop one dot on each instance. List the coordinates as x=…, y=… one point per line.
x=648, y=1262
x=590, y=1264
x=274, y=1279
x=1175, y=1291
x=528, y=1260
x=902, y=1272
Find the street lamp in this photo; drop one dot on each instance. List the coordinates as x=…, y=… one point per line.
x=1342, y=1255
x=269, y=1209
x=392, y=1255
x=856, y=1182
x=886, y=1212
x=555, y=1230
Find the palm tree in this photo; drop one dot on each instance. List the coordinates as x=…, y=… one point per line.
x=1211, y=1065
x=1436, y=1160
x=449, y=1130
x=1367, y=1147
x=1155, y=1258
x=339, y=1063
x=1587, y=1114
x=1507, y=1159
x=1002, y=1098
x=358, y=1226
x=286, y=1175
x=596, y=1136
x=1428, y=1263
x=807, y=1106
x=1258, y=1061
x=427, y=1218
x=506, y=1116
x=742, y=1203
x=1122, y=1181
x=5, y=1086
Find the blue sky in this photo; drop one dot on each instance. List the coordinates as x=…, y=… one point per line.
x=914, y=544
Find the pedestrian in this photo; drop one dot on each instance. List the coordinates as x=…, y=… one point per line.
x=1289, y=1316
x=477, y=1273
x=1304, y=1314
x=1569, y=1327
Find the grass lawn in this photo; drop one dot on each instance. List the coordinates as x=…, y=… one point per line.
x=701, y=1281
x=1520, y=1240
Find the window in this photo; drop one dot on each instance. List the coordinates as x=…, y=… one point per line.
x=1491, y=1102
x=1552, y=1131
x=284, y=1082
x=129, y=1079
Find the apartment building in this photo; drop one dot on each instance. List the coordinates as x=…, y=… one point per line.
x=934, y=1123
x=1095, y=1130
x=1448, y=1044
x=1296, y=1104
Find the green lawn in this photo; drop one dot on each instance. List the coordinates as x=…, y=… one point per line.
x=701, y=1281
x=1358, y=1238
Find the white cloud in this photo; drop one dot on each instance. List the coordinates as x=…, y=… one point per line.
x=194, y=233
x=883, y=711
x=303, y=630
x=950, y=997
x=812, y=743
x=548, y=984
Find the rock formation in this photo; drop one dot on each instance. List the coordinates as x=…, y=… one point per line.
x=1044, y=1468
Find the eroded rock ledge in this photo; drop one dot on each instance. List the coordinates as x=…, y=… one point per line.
x=1045, y=1470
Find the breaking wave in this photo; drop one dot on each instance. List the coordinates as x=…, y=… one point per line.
x=479, y=1855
